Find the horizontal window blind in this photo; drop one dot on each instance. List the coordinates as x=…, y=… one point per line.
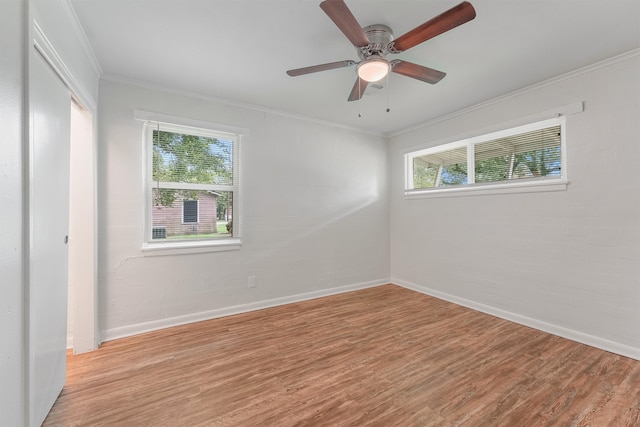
x=179, y=157
x=531, y=152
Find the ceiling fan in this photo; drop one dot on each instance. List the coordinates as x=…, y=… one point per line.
x=374, y=42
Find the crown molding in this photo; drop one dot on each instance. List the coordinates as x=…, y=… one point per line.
x=536, y=86
x=82, y=36
x=228, y=102
x=42, y=44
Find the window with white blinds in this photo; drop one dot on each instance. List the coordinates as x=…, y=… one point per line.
x=191, y=184
x=525, y=155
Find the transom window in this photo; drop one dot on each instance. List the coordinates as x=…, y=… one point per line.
x=192, y=185
x=524, y=155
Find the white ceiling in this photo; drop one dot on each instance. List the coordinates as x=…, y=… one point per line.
x=239, y=50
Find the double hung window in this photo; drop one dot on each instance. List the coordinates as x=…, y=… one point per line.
x=191, y=186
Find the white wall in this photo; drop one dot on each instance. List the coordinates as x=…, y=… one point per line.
x=12, y=283
x=14, y=46
x=567, y=262
x=314, y=208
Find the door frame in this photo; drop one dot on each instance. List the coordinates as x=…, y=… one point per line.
x=85, y=301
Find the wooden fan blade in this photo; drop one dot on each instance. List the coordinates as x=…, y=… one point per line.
x=416, y=71
x=340, y=14
x=358, y=89
x=321, y=67
x=453, y=17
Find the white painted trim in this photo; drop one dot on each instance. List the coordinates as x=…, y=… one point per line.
x=82, y=36
x=49, y=53
x=571, y=334
x=79, y=95
x=184, y=247
x=215, y=130
x=140, y=328
x=193, y=186
x=514, y=94
x=231, y=103
x=537, y=186
x=559, y=111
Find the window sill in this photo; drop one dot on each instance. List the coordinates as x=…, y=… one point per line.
x=185, y=247
x=486, y=189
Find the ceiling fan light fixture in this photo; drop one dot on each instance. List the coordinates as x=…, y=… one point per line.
x=373, y=68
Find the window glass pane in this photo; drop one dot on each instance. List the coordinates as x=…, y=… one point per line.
x=441, y=169
x=493, y=169
x=190, y=214
x=527, y=155
x=424, y=173
x=179, y=157
x=454, y=174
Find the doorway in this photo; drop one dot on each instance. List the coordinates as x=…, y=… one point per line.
x=81, y=307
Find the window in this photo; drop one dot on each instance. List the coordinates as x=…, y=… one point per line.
x=189, y=211
x=525, y=156
x=191, y=186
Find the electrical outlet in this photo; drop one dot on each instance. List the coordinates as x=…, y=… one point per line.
x=252, y=281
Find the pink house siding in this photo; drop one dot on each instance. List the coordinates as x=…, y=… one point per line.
x=171, y=217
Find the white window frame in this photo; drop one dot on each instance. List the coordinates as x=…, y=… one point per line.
x=151, y=247
x=547, y=183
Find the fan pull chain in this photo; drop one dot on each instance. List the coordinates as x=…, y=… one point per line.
x=388, y=109
x=359, y=94
x=388, y=94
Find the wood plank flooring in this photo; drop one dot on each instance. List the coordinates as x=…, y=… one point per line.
x=384, y=356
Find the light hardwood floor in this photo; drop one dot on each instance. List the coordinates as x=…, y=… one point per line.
x=384, y=356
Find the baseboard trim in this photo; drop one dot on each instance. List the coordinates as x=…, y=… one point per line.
x=140, y=328
x=571, y=334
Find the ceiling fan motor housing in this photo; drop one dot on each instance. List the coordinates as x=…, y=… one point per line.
x=374, y=42
x=379, y=37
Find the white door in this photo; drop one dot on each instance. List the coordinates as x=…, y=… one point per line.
x=49, y=223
